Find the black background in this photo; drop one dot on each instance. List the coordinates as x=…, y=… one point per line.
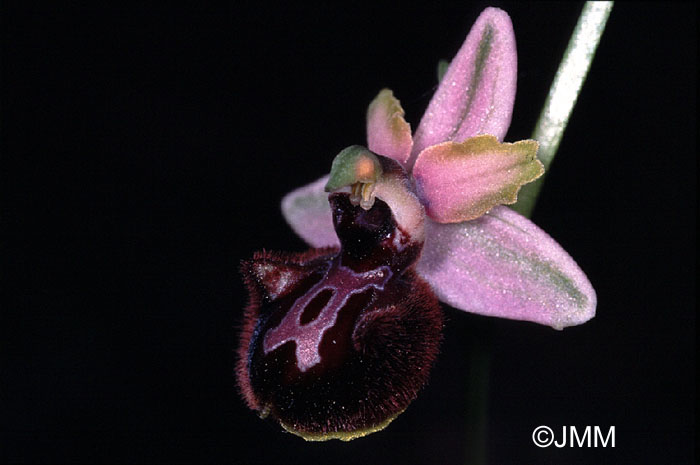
x=144, y=153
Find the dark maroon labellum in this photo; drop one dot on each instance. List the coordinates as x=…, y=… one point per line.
x=337, y=342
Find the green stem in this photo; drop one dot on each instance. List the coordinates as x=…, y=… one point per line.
x=478, y=395
x=563, y=94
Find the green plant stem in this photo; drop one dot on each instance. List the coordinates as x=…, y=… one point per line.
x=563, y=94
x=477, y=396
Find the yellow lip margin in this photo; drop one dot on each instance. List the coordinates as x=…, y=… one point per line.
x=342, y=435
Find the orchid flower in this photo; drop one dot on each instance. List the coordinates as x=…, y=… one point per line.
x=337, y=341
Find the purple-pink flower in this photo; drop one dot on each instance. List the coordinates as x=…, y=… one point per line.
x=337, y=341
x=478, y=256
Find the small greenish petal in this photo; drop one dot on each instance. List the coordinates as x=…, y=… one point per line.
x=462, y=181
x=388, y=133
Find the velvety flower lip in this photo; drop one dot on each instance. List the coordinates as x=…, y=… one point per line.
x=479, y=256
x=337, y=342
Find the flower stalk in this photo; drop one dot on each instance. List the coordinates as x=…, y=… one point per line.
x=563, y=94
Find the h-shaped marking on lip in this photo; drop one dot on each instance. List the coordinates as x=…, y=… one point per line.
x=308, y=337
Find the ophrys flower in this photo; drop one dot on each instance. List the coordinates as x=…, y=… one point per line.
x=339, y=340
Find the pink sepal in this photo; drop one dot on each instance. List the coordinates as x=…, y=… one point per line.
x=477, y=93
x=503, y=265
x=308, y=212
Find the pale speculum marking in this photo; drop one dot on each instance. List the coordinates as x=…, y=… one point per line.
x=342, y=282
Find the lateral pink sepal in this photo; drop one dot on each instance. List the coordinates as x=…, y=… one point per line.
x=502, y=265
x=308, y=212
